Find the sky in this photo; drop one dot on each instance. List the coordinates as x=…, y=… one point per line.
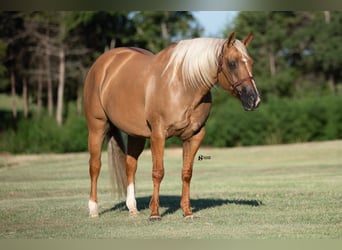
x=214, y=22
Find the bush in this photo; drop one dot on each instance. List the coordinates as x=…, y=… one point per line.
x=42, y=135
x=75, y=135
x=35, y=135
x=274, y=122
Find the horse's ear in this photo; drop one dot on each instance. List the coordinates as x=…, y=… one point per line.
x=248, y=39
x=231, y=39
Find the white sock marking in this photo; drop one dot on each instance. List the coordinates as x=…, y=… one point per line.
x=130, y=200
x=93, y=209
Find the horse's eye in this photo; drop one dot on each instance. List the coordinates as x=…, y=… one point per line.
x=232, y=64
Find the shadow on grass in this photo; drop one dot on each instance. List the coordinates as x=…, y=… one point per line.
x=171, y=203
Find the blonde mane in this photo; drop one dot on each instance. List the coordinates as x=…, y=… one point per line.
x=197, y=60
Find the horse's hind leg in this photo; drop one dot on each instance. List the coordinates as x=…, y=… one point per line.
x=135, y=146
x=97, y=130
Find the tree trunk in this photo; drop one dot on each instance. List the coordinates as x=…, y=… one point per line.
x=39, y=94
x=80, y=88
x=60, y=91
x=49, y=82
x=272, y=62
x=165, y=33
x=25, y=98
x=331, y=80
x=14, y=96
x=79, y=100
x=111, y=45
x=327, y=16
x=331, y=84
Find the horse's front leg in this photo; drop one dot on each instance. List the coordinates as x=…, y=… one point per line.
x=190, y=147
x=157, y=148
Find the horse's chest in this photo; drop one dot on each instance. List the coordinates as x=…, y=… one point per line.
x=190, y=123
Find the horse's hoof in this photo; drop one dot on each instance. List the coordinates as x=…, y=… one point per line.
x=133, y=213
x=93, y=209
x=94, y=215
x=155, y=218
x=190, y=217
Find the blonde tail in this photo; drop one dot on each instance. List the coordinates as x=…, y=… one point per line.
x=117, y=162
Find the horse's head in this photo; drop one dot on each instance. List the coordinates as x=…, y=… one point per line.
x=235, y=71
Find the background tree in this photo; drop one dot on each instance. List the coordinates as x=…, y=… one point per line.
x=11, y=24
x=326, y=47
x=156, y=29
x=293, y=51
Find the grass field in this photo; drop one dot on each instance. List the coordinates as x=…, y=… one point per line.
x=270, y=192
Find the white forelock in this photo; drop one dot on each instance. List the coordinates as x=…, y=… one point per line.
x=241, y=48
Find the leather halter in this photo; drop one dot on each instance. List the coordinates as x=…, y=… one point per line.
x=238, y=82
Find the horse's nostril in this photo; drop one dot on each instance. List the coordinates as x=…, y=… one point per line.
x=251, y=101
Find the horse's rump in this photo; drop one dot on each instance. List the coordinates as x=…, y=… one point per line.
x=119, y=79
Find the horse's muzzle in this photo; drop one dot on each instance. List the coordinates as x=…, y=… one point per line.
x=250, y=99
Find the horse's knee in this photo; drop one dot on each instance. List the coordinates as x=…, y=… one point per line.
x=187, y=175
x=158, y=175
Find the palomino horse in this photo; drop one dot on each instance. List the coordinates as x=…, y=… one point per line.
x=157, y=97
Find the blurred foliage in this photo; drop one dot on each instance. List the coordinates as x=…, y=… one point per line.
x=296, y=53
x=41, y=134
x=277, y=121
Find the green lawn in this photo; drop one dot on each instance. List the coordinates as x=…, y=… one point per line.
x=270, y=192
